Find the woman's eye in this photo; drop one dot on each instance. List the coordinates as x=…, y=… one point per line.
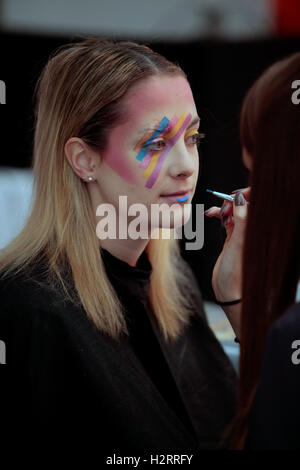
x=156, y=145
x=195, y=139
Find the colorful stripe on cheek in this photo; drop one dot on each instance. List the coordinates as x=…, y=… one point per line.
x=159, y=158
x=144, y=163
x=151, y=164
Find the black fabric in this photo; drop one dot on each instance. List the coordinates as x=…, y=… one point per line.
x=64, y=381
x=275, y=414
x=133, y=295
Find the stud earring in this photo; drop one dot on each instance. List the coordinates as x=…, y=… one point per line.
x=90, y=178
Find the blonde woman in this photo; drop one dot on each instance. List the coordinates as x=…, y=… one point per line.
x=106, y=338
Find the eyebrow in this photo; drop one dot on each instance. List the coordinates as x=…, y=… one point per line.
x=195, y=121
x=158, y=128
x=150, y=133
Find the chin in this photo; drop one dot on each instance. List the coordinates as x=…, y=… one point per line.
x=176, y=218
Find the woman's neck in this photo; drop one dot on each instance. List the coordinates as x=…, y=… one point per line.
x=126, y=250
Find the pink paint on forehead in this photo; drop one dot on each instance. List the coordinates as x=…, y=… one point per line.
x=161, y=93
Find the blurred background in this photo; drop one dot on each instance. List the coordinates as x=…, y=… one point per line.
x=222, y=45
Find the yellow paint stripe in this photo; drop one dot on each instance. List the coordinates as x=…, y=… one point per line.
x=147, y=173
x=176, y=128
x=151, y=165
x=193, y=132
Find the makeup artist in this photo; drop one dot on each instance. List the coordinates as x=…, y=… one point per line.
x=259, y=266
x=108, y=346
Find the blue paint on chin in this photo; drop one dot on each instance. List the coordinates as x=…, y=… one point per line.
x=181, y=199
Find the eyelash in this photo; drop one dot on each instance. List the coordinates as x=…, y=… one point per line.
x=198, y=137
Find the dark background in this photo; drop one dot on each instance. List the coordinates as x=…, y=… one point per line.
x=220, y=72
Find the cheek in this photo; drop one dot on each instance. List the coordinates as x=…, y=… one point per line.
x=152, y=165
x=117, y=159
x=198, y=163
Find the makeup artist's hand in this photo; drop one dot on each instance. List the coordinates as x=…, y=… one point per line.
x=225, y=213
x=227, y=273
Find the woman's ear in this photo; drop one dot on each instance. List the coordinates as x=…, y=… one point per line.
x=81, y=158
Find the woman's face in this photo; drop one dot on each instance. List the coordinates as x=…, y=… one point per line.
x=154, y=153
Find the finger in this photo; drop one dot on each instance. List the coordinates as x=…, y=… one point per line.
x=227, y=221
x=226, y=209
x=244, y=191
x=228, y=224
x=213, y=212
x=240, y=210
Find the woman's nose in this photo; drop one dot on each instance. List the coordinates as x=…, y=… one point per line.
x=183, y=165
x=183, y=175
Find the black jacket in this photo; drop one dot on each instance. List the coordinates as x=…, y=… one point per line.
x=275, y=414
x=65, y=381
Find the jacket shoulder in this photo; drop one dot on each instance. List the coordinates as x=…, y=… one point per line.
x=289, y=323
x=27, y=300
x=26, y=290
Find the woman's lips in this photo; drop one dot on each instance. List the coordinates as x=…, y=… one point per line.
x=179, y=198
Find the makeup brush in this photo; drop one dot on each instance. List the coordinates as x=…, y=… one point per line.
x=221, y=195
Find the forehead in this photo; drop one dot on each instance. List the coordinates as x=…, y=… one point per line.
x=157, y=96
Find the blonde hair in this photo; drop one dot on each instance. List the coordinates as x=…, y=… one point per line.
x=79, y=93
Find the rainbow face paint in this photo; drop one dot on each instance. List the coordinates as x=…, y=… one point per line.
x=158, y=131
x=152, y=161
x=137, y=157
x=192, y=132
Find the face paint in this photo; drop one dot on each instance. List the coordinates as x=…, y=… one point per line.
x=173, y=129
x=193, y=132
x=182, y=199
x=161, y=127
x=146, y=104
x=173, y=133
x=146, y=161
x=172, y=123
